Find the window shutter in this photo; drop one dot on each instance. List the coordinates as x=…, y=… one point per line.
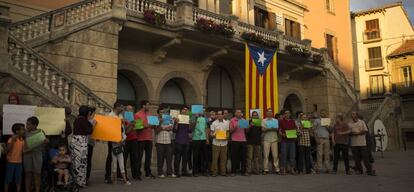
x=272, y=21
x=335, y=49
x=288, y=27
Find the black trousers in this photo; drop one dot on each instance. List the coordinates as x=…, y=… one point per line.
x=89, y=163
x=190, y=155
x=164, y=154
x=361, y=153
x=338, y=149
x=108, y=170
x=181, y=155
x=304, y=159
x=238, y=157
x=131, y=149
x=145, y=146
x=200, y=157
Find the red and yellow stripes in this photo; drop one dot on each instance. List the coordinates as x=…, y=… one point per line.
x=261, y=90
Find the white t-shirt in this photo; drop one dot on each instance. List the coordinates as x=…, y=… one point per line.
x=220, y=126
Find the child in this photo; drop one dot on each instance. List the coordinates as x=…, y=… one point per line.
x=15, y=146
x=62, y=161
x=33, y=157
x=118, y=159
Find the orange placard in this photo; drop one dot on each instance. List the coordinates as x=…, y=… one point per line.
x=107, y=128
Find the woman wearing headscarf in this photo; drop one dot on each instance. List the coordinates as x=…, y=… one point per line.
x=82, y=128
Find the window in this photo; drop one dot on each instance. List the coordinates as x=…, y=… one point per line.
x=225, y=7
x=331, y=45
x=264, y=19
x=375, y=57
x=220, y=92
x=260, y=17
x=377, y=87
x=329, y=5
x=292, y=29
x=407, y=76
x=372, y=30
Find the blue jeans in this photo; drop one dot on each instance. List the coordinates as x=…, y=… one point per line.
x=288, y=150
x=14, y=169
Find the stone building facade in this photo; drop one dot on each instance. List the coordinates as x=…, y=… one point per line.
x=99, y=51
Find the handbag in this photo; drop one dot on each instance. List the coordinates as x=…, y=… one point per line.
x=118, y=150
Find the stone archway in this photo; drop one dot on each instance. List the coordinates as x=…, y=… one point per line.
x=131, y=88
x=293, y=103
x=179, y=82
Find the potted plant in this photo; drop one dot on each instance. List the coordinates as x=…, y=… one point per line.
x=153, y=17
x=209, y=26
x=253, y=37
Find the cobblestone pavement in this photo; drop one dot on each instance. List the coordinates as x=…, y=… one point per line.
x=395, y=173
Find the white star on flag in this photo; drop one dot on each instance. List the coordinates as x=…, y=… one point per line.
x=262, y=58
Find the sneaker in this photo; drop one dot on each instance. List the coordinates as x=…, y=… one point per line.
x=127, y=183
x=172, y=176
x=162, y=176
x=150, y=176
x=59, y=183
x=265, y=172
x=108, y=181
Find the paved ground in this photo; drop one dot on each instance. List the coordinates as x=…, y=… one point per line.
x=395, y=173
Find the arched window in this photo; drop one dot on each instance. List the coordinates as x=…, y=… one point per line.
x=172, y=93
x=126, y=90
x=220, y=91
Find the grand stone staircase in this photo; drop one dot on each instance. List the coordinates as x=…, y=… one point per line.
x=42, y=76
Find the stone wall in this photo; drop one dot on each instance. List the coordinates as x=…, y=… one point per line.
x=90, y=56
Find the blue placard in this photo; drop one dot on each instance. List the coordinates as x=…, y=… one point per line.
x=243, y=124
x=196, y=109
x=272, y=124
x=129, y=116
x=166, y=119
x=153, y=120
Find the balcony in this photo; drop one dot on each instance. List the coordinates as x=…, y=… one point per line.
x=371, y=36
x=184, y=16
x=403, y=88
x=374, y=64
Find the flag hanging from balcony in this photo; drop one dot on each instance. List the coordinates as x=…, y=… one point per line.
x=261, y=79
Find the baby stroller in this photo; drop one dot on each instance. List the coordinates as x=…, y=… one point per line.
x=53, y=176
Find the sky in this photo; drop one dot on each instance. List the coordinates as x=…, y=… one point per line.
x=357, y=5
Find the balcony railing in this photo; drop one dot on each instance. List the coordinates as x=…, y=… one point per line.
x=403, y=88
x=374, y=63
x=371, y=35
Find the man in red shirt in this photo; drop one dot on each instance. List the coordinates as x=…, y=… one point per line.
x=288, y=145
x=144, y=137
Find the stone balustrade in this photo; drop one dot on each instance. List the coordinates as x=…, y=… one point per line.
x=47, y=23
x=200, y=13
x=46, y=75
x=140, y=6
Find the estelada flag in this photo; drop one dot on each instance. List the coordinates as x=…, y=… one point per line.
x=261, y=79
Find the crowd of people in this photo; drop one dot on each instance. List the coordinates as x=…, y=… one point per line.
x=201, y=147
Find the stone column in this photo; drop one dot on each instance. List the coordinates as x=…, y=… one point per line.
x=5, y=22
x=119, y=10
x=185, y=12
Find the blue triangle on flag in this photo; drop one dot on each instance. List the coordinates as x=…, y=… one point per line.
x=261, y=57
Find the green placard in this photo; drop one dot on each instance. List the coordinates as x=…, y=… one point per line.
x=291, y=134
x=35, y=140
x=139, y=124
x=257, y=122
x=306, y=124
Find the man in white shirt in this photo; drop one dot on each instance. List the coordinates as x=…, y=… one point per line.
x=270, y=143
x=219, y=128
x=359, y=144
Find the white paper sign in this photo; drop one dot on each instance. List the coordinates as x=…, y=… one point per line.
x=183, y=119
x=15, y=114
x=326, y=122
x=174, y=113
